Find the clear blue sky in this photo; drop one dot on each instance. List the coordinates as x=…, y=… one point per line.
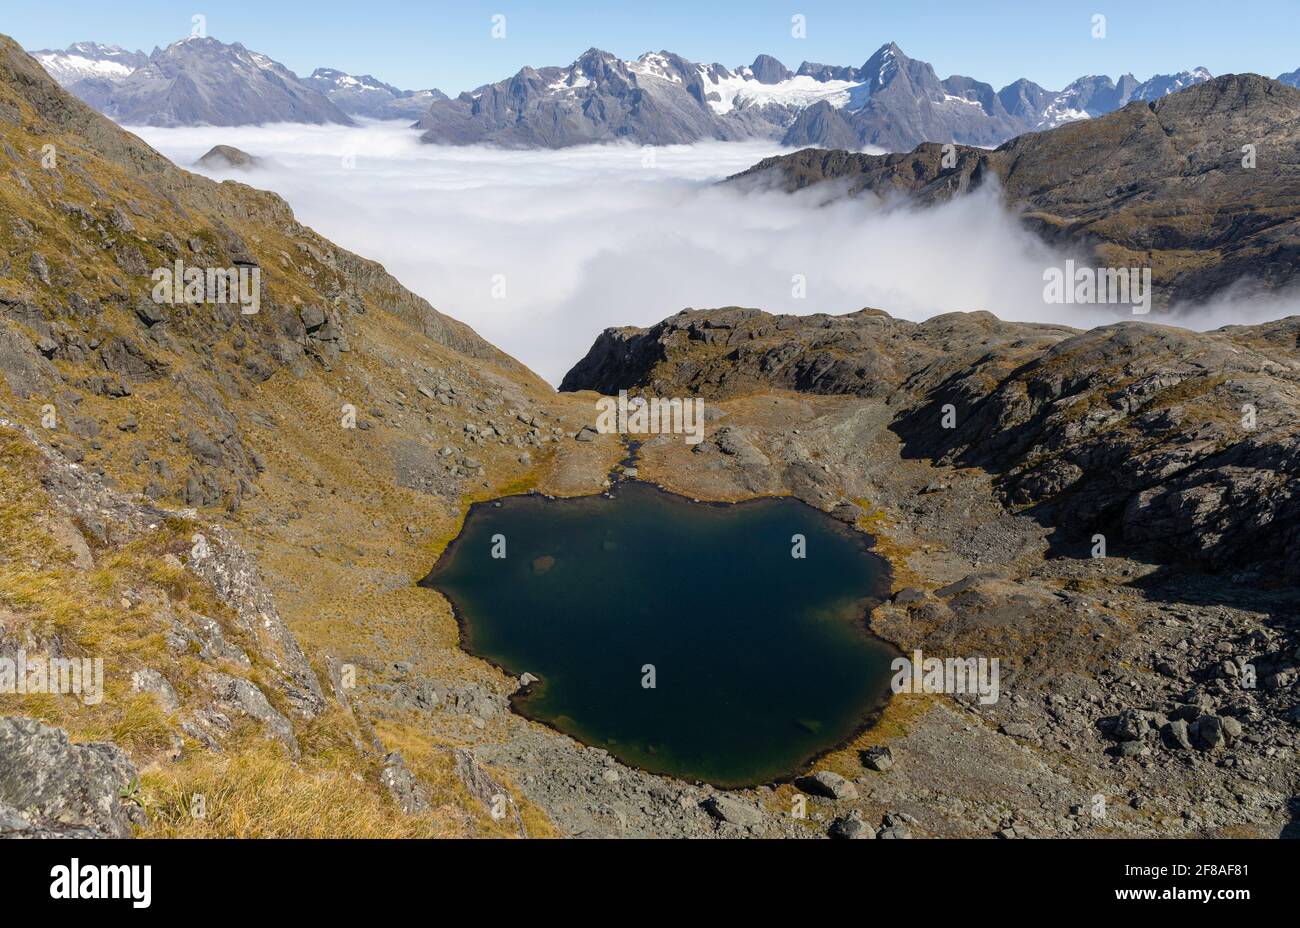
x=448, y=45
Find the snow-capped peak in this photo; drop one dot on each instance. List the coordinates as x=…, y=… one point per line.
x=655, y=64
x=84, y=60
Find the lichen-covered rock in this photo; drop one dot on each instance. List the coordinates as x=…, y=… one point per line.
x=242, y=697
x=411, y=796
x=485, y=788
x=51, y=787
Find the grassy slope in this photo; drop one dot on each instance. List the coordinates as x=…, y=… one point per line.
x=320, y=485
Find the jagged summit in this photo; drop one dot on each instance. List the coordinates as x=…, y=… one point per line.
x=891, y=101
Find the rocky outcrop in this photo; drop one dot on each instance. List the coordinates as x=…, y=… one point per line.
x=1175, y=443
x=403, y=786
x=233, y=574
x=722, y=353
x=227, y=158
x=243, y=698
x=486, y=789
x=1181, y=444
x=111, y=517
x=50, y=788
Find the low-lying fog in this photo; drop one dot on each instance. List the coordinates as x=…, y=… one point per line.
x=539, y=251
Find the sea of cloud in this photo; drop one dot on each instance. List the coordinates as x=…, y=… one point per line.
x=539, y=250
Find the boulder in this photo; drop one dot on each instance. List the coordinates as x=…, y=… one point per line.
x=51, y=787
x=151, y=681
x=1232, y=729
x=828, y=784
x=894, y=825
x=879, y=758
x=1175, y=735
x=1021, y=730
x=735, y=811
x=1130, y=726
x=150, y=313
x=313, y=317
x=851, y=827
x=1207, y=733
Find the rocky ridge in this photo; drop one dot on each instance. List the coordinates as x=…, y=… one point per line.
x=1170, y=441
x=363, y=95
x=194, y=457
x=198, y=81
x=1170, y=185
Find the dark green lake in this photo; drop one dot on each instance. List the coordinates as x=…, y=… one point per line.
x=761, y=660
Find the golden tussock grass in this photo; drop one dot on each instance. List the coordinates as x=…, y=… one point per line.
x=262, y=793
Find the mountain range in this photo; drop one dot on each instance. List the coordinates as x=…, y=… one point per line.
x=1163, y=185
x=203, y=81
x=891, y=101
x=363, y=95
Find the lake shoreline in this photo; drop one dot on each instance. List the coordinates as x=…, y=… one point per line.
x=862, y=610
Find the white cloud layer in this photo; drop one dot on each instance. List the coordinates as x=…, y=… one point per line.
x=594, y=237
